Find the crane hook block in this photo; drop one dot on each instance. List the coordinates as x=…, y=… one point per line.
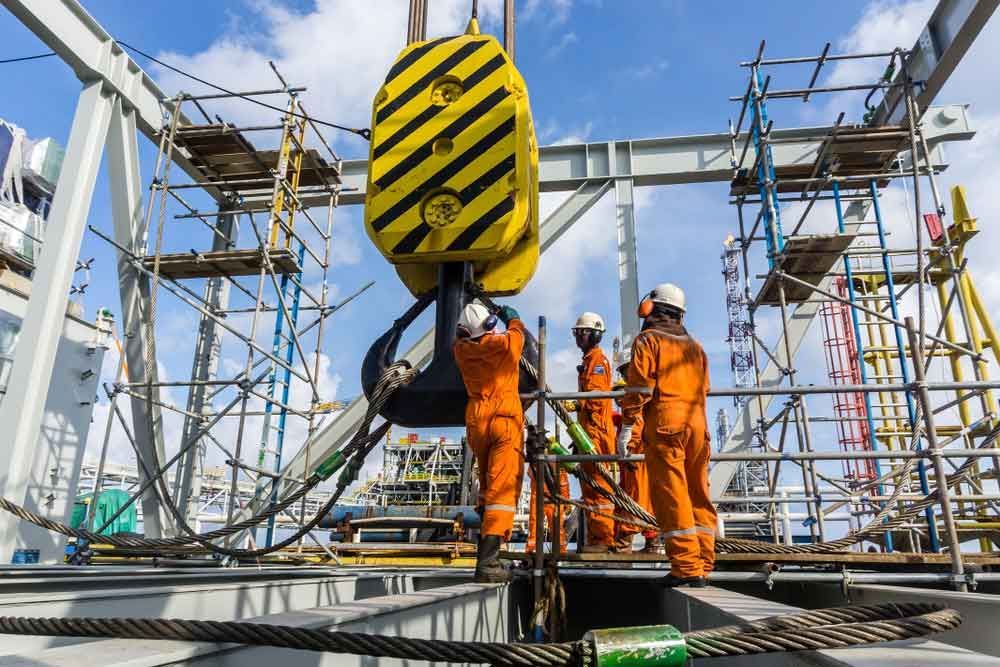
x=453, y=166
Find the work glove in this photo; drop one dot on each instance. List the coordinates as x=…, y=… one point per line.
x=506, y=314
x=571, y=406
x=624, y=437
x=631, y=465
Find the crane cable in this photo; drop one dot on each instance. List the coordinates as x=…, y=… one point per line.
x=395, y=376
x=837, y=627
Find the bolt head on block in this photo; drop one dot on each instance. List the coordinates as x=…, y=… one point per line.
x=641, y=646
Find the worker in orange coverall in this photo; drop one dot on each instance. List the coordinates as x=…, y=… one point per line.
x=552, y=520
x=669, y=364
x=494, y=423
x=595, y=419
x=633, y=480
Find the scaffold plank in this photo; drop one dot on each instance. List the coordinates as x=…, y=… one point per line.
x=809, y=258
x=223, y=156
x=184, y=265
x=845, y=153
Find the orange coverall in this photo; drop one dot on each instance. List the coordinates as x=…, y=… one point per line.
x=494, y=422
x=635, y=482
x=551, y=521
x=595, y=419
x=672, y=364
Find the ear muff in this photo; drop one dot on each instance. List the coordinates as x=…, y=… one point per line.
x=596, y=336
x=645, y=308
x=490, y=323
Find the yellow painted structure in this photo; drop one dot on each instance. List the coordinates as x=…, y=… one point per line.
x=290, y=154
x=453, y=165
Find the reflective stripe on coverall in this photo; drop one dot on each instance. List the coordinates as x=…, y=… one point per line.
x=494, y=422
x=634, y=482
x=550, y=513
x=595, y=419
x=676, y=438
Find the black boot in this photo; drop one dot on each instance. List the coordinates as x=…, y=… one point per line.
x=489, y=569
x=670, y=581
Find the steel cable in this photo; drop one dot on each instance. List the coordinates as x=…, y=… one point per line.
x=810, y=630
x=361, y=444
x=396, y=375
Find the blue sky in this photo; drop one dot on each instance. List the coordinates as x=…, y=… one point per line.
x=595, y=70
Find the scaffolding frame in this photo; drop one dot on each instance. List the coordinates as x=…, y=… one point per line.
x=871, y=347
x=263, y=190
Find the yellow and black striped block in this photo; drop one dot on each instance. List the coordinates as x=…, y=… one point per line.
x=453, y=165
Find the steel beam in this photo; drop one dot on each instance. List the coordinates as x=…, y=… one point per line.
x=979, y=610
x=944, y=41
x=460, y=612
x=203, y=593
x=699, y=158
x=83, y=44
x=22, y=408
x=133, y=286
x=572, y=209
x=695, y=608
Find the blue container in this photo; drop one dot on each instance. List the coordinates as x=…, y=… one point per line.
x=25, y=557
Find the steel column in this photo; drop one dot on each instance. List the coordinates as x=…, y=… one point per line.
x=133, y=286
x=21, y=411
x=620, y=157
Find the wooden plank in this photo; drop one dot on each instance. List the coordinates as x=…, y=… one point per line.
x=852, y=152
x=181, y=266
x=220, y=152
x=808, y=258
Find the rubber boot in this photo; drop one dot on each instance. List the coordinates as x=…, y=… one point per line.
x=489, y=569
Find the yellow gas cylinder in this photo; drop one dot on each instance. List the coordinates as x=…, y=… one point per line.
x=453, y=165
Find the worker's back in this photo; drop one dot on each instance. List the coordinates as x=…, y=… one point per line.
x=489, y=367
x=676, y=362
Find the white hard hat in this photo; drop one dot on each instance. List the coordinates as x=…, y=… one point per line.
x=474, y=321
x=589, y=321
x=669, y=295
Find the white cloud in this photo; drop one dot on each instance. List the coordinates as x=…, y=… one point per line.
x=553, y=12
x=567, y=40
x=339, y=50
x=648, y=70
x=561, y=285
x=575, y=135
x=883, y=26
